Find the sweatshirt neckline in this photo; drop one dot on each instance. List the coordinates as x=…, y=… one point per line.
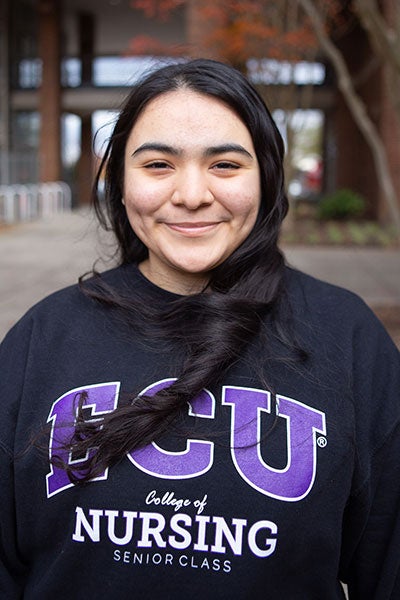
x=151, y=287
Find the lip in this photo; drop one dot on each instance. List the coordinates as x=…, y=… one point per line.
x=194, y=229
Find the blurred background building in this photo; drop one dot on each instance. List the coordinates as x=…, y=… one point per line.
x=66, y=66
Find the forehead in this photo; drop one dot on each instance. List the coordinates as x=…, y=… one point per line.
x=191, y=115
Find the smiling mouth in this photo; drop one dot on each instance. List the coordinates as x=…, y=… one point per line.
x=193, y=229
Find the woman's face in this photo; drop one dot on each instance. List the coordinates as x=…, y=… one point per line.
x=191, y=187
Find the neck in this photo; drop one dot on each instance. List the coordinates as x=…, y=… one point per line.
x=183, y=284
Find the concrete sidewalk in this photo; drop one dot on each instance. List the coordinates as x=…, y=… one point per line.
x=43, y=256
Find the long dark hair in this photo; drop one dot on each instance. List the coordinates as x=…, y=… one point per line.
x=241, y=292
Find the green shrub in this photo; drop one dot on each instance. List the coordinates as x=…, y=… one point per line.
x=342, y=204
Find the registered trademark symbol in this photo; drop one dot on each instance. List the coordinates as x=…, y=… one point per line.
x=321, y=441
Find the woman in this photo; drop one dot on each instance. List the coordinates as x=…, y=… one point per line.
x=219, y=425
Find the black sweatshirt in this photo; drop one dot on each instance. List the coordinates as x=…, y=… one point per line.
x=250, y=506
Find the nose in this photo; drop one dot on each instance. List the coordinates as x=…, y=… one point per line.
x=192, y=189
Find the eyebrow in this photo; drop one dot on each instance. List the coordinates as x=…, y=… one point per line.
x=211, y=151
x=158, y=147
x=223, y=148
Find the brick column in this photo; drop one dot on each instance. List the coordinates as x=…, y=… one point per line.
x=354, y=161
x=355, y=165
x=86, y=32
x=4, y=96
x=85, y=164
x=389, y=123
x=50, y=91
x=86, y=39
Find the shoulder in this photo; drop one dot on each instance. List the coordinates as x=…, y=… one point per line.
x=328, y=305
x=330, y=320
x=347, y=343
x=66, y=309
x=313, y=292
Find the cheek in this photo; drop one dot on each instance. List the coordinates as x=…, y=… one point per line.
x=139, y=217
x=244, y=204
x=142, y=199
x=242, y=193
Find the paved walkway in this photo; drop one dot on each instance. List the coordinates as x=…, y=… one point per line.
x=40, y=257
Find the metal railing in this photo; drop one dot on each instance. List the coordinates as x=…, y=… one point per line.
x=31, y=201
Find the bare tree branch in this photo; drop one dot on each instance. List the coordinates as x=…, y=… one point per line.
x=386, y=40
x=358, y=110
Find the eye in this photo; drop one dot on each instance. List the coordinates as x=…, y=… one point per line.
x=224, y=165
x=157, y=164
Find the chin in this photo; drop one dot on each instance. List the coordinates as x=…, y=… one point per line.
x=199, y=270
x=197, y=265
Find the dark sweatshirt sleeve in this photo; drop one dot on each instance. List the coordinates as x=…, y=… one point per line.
x=14, y=352
x=11, y=568
x=371, y=528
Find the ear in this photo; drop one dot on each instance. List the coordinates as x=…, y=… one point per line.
x=123, y=201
